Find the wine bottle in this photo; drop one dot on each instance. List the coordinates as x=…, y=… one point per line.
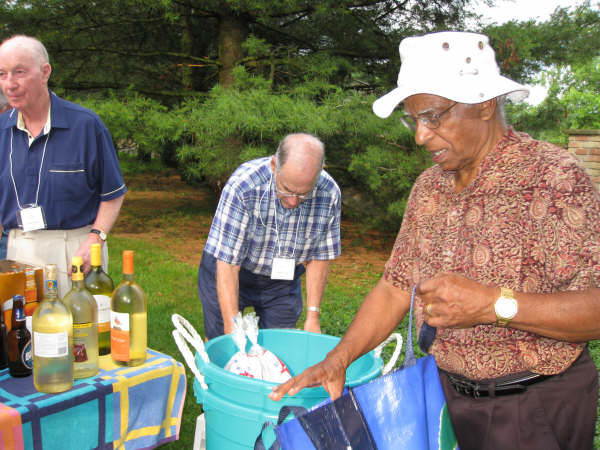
x=52, y=340
x=19, y=341
x=101, y=286
x=128, y=319
x=84, y=310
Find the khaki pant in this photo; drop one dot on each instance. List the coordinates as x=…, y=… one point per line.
x=42, y=247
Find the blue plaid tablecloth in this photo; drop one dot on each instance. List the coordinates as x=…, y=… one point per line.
x=122, y=407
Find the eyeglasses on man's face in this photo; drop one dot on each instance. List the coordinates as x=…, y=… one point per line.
x=298, y=196
x=427, y=119
x=286, y=194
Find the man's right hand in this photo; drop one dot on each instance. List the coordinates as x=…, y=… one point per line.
x=329, y=373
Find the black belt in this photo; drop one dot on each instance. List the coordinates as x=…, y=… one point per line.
x=490, y=388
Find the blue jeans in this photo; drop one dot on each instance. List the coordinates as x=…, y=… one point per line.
x=277, y=303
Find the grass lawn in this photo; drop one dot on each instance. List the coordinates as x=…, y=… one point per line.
x=166, y=223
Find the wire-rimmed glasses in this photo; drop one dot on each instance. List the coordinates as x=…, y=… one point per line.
x=285, y=194
x=428, y=119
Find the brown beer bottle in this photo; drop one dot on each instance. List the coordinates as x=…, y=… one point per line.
x=3, y=343
x=20, y=356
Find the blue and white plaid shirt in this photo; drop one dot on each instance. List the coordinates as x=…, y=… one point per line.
x=244, y=230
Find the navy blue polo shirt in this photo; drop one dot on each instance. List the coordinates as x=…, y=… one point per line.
x=77, y=171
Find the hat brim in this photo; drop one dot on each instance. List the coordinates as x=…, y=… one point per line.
x=385, y=105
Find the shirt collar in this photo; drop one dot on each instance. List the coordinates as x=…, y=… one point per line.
x=31, y=137
x=47, y=126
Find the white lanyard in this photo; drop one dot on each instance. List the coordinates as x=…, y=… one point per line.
x=12, y=176
x=277, y=220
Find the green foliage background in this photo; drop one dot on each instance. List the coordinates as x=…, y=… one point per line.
x=202, y=86
x=375, y=161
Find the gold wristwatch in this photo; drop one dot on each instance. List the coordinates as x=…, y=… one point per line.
x=506, y=307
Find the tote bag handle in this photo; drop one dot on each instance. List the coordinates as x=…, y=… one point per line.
x=394, y=358
x=409, y=353
x=184, y=331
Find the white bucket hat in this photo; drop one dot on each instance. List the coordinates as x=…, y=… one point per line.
x=459, y=66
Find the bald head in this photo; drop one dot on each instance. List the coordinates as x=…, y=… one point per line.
x=28, y=44
x=302, y=150
x=24, y=74
x=297, y=166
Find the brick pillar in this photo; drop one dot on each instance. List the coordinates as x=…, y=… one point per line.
x=585, y=145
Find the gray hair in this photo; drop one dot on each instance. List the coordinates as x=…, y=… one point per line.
x=283, y=149
x=32, y=44
x=501, y=107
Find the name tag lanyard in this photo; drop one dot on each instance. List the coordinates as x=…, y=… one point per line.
x=30, y=217
x=283, y=268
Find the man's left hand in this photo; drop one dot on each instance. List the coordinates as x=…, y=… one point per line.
x=452, y=300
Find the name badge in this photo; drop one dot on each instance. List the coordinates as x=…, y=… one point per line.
x=283, y=269
x=31, y=218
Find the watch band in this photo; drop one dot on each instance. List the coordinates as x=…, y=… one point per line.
x=314, y=309
x=100, y=233
x=508, y=294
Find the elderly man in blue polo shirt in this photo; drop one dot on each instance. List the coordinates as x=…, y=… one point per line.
x=61, y=187
x=275, y=214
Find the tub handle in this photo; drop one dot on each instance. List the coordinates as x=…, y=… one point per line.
x=184, y=331
x=392, y=362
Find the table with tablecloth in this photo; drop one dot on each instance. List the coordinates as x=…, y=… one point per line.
x=121, y=407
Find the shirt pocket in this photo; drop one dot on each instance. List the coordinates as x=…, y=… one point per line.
x=68, y=182
x=309, y=239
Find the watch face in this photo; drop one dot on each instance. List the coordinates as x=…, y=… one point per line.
x=506, y=307
x=100, y=233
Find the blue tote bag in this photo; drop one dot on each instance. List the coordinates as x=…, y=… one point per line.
x=405, y=409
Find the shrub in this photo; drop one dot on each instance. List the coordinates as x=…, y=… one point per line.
x=374, y=161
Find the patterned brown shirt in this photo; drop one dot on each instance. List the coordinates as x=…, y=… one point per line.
x=529, y=221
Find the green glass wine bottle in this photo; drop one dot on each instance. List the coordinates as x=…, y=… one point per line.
x=101, y=285
x=85, y=323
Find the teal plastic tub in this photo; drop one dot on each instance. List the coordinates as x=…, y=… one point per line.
x=234, y=427
x=235, y=406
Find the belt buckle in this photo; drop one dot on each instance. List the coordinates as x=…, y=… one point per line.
x=465, y=388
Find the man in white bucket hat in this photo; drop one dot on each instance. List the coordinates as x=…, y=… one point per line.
x=502, y=236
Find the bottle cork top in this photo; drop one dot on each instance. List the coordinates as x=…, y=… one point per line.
x=77, y=268
x=128, y=262
x=50, y=271
x=95, y=255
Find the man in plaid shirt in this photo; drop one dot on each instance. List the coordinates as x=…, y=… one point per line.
x=274, y=215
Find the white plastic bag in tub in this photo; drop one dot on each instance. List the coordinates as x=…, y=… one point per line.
x=259, y=362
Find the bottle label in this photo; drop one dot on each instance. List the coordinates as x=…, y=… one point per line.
x=50, y=345
x=51, y=288
x=30, y=286
x=103, y=302
x=19, y=315
x=81, y=331
x=27, y=356
x=119, y=336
